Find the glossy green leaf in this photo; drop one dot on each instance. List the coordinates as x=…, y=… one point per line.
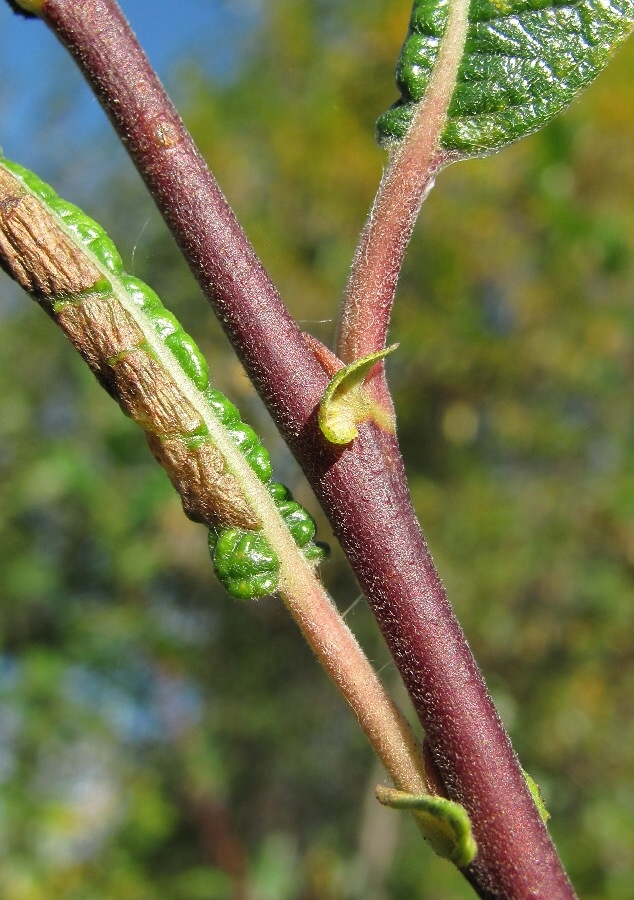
x=523, y=63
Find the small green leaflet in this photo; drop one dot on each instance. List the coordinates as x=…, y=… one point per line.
x=536, y=794
x=345, y=404
x=524, y=61
x=444, y=824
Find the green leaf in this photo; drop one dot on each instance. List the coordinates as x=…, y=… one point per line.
x=27, y=8
x=345, y=402
x=444, y=824
x=523, y=62
x=536, y=794
x=141, y=355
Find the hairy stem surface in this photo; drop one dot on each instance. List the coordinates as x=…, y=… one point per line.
x=338, y=652
x=413, y=164
x=362, y=487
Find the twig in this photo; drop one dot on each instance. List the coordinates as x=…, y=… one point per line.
x=362, y=487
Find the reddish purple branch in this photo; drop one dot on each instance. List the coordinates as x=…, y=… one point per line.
x=362, y=487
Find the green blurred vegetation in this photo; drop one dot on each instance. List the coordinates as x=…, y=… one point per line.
x=158, y=739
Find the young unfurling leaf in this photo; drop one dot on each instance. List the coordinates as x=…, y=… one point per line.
x=444, y=824
x=345, y=402
x=144, y=359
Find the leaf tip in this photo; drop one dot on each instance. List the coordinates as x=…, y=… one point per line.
x=27, y=8
x=444, y=824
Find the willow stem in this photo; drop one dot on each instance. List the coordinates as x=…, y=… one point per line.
x=413, y=165
x=362, y=488
x=337, y=650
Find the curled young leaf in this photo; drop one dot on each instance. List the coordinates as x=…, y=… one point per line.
x=43, y=259
x=444, y=824
x=346, y=403
x=141, y=355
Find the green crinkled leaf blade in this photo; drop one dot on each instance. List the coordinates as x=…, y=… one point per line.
x=523, y=63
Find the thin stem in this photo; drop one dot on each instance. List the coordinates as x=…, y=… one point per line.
x=369, y=294
x=339, y=653
x=467, y=740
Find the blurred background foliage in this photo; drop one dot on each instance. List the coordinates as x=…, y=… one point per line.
x=158, y=739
